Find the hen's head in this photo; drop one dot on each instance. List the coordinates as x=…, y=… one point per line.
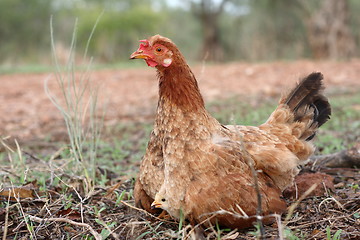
x=156, y=51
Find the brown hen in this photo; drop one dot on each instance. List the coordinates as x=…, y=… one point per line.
x=195, y=166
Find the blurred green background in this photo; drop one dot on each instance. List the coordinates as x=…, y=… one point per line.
x=212, y=30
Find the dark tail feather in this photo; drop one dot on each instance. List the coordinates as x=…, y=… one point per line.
x=323, y=108
x=308, y=94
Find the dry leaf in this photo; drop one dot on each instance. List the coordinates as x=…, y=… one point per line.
x=2, y=214
x=111, y=190
x=230, y=236
x=315, y=231
x=69, y=229
x=70, y=214
x=17, y=192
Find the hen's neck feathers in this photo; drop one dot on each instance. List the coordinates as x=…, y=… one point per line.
x=178, y=86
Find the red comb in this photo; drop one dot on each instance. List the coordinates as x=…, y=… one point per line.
x=143, y=46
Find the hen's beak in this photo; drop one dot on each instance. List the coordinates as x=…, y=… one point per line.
x=155, y=205
x=139, y=54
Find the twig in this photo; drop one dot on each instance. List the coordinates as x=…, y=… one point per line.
x=8, y=148
x=96, y=235
x=250, y=161
x=32, y=156
x=10, y=172
x=259, y=206
x=111, y=232
x=333, y=199
x=320, y=221
x=346, y=158
x=78, y=195
x=17, y=198
x=280, y=226
x=23, y=215
x=294, y=205
x=197, y=225
x=144, y=211
x=6, y=218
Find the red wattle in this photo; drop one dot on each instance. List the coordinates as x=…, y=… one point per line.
x=151, y=63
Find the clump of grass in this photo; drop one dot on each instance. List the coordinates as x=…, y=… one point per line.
x=78, y=104
x=336, y=236
x=243, y=110
x=16, y=159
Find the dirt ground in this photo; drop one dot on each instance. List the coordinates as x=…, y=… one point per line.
x=131, y=94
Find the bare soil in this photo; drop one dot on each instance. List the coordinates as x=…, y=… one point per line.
x=131, y=94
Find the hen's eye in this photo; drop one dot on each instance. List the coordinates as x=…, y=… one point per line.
x=158, y=49
x=163, y=200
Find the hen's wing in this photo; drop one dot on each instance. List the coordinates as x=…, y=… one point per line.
x=272, y=154
x=151, y=174
x=228, y=191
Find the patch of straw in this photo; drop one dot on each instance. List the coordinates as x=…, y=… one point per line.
x=78, y=104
